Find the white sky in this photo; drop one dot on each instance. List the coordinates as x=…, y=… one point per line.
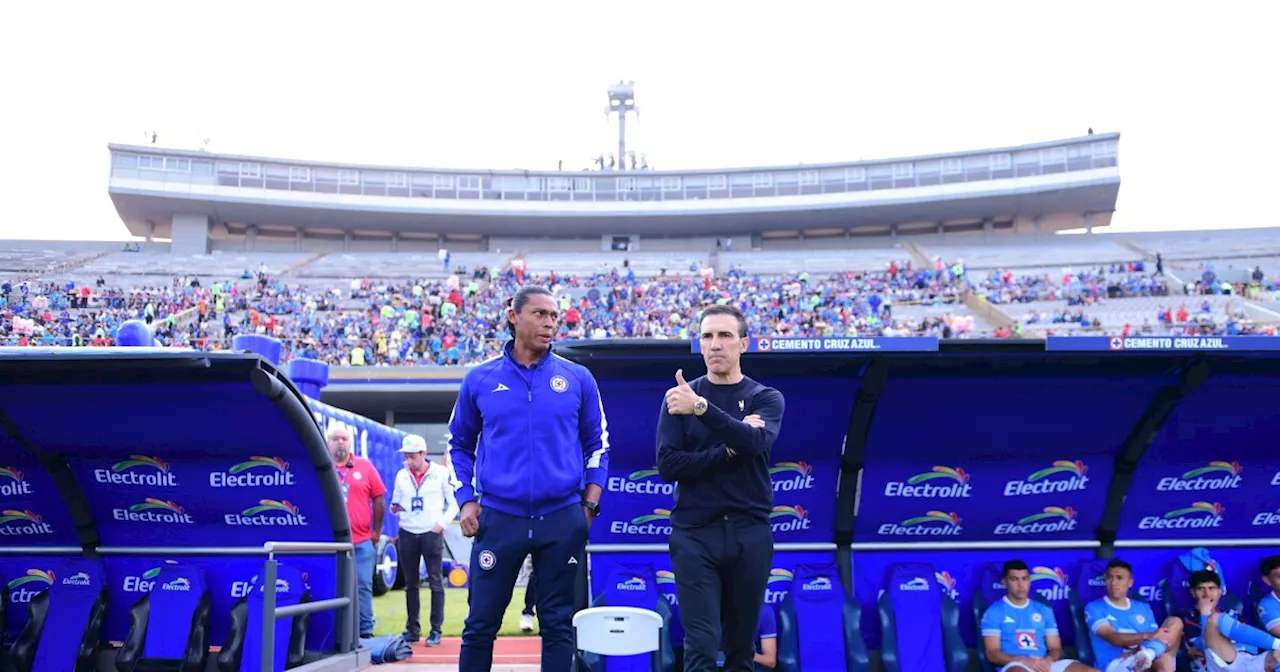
x=520, y=84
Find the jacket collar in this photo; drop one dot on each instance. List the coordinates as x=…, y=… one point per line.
x=508, y=349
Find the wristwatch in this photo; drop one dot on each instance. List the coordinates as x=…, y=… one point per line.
x=700, y=406
x=593, y=507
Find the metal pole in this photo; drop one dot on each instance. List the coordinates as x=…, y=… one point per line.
x=622, y=138
x=345, y=621
x=268, y=615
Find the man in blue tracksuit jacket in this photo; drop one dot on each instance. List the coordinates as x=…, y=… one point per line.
x=544, y=463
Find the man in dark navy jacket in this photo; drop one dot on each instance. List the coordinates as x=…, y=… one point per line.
x=714, y=438
x=545, y=460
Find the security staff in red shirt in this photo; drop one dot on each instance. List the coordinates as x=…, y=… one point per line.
x=366, y=503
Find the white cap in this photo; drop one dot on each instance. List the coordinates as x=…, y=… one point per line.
x=413, y=444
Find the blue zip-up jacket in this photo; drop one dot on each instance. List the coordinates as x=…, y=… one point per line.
x=544, y=432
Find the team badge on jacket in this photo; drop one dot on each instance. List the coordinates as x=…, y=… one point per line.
x=559, y=384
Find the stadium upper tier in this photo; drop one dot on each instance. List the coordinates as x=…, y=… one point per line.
x=1060, y=184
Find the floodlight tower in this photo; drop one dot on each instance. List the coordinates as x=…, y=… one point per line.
x=622, y=99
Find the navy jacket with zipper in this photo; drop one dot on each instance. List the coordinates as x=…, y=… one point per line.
x=541, y=430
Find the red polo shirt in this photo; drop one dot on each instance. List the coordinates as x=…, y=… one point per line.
x=362, y=484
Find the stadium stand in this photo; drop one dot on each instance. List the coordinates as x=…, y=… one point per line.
x=413, y=308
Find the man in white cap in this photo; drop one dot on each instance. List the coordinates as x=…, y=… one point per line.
x=424, y=502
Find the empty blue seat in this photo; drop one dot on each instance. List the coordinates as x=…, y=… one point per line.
x=169, y=626
x=819, y=624
x=932, y=643
x=242, y=650
x=1090, y=585
x=633, y=585
x=64, y=623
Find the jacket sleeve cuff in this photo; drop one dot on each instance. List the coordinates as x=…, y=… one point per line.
x=464, y=494
x=597, y=477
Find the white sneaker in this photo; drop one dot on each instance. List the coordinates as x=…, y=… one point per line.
x=1141, y=660
x=526, y=622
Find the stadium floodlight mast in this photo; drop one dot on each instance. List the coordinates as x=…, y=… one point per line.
x=622, y=100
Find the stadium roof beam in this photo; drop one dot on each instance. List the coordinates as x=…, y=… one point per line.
x=873, y=378
x=1189, y=376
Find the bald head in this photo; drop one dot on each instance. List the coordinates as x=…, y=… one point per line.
x=339, y=439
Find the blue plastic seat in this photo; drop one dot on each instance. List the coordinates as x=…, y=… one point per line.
x=932, y=643
x=169, y=626
x=819, y=624
x=64, y=624
x=633, y=585
x=242, y=650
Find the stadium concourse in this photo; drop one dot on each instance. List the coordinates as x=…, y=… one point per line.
x=388, y=309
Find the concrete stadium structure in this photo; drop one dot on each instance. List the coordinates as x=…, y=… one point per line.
x=205, y=202
x=324, y=224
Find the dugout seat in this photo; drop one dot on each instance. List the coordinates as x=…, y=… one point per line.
x=64, y=623
x=4, y=614
x=819, y=624
x=987, y=590
x=633, y=585
x=932, y=643
x=1090, y=585
x=242, y=650
x=169, y=626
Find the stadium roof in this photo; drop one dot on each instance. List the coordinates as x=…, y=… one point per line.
x=1076, y=176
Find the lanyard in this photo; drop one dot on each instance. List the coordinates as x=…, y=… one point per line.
x=417, y=484
x=343, y=471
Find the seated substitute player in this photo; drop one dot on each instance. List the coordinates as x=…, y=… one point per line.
x=1269, y=605
x=1019, y=633
x=1220, y=641
x=1124, y=631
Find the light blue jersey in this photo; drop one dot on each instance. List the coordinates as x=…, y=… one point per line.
x=1268, y=612
x=1136, y=618
x=1022, y=630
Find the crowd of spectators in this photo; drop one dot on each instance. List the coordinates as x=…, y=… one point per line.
x=373, y=322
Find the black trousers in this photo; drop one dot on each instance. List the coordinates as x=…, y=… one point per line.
x=428, y=546
x=722, y=570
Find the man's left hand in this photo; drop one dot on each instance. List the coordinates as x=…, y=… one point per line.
x=375, y=537
x=438, y=529
x=591, y=517
x=681, y=397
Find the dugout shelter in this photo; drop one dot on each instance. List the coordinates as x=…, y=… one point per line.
x=908, y=469
x=155, y=503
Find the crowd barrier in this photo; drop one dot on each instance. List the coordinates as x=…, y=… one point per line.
x=958, y=455
x=151, y=471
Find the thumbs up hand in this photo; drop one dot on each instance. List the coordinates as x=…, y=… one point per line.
x=681, y=398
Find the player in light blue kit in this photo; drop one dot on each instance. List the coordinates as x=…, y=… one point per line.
x=1021, y=634
x=1269, y=605
x=1221, y=641
x=1124, y=632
